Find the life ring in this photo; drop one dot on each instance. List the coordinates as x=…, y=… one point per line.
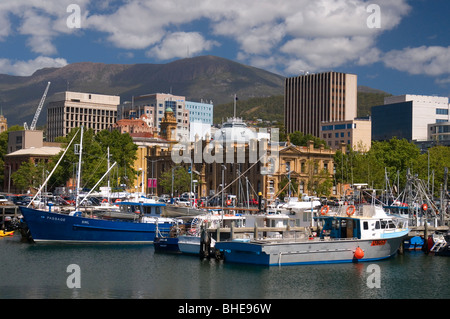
x=324, y=212
x=424, y=207
x=104, y=200
x=117, y=201
x=351, y=212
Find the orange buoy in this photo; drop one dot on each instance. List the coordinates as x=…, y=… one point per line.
x=424, y=207
x=359, y=253
x=351, y=210
x=324, y=210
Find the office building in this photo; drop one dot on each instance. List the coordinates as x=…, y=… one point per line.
x=408, y=116
x=67, y=110
x=200, y=112
x=312, y=99
x=154, y=106
x=357, y=133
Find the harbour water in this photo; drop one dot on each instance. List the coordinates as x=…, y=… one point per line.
x=125, y=272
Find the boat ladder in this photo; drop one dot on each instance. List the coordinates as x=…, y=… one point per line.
x=439, y=242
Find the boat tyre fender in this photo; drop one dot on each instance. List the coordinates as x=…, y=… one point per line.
x=324, y=210
x=350, y=210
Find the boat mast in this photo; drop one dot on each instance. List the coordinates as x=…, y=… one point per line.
x=80, y=150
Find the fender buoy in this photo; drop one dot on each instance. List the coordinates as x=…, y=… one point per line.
x=359, y=253
x=324, y=210
x=229, y=202
x=424, y=207
x=350, y=210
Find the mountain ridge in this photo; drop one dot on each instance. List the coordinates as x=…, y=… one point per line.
x=204, y=77
x=197, y=78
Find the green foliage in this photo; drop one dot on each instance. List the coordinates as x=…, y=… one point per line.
x=4, y=148
x=181, y=180
x=293, y=187
x=30, y=175
x=300, y=139
x=265, y=108
x=94, y=159
x=392, y=158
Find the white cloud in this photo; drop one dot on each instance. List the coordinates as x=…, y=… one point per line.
x=26, y=68
x=181, y=44
x=40, y=21
x=433, y=60
x=277, y=34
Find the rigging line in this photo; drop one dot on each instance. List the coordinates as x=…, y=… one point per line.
x=54, y=168
x=223, y=189
x=95, y=170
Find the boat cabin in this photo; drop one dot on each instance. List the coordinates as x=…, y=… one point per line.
x=143, y=209
x=344, y=227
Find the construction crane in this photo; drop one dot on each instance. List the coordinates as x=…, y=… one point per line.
x=38, y=111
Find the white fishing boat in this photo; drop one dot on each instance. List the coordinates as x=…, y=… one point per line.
x=190, y=242
x=347, y=235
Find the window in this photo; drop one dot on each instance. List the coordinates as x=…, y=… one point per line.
x=442, y=111
x=365, y=225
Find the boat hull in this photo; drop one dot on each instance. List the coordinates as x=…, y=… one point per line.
x=166, y=244
x=189, y=244
x=271, y=253
x=58, y=228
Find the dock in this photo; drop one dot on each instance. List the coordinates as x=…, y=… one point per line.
x=8, y=211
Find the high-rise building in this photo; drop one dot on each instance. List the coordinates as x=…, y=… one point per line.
x=67, y=110
x=312, y=99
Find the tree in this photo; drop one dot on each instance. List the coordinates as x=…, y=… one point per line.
x=431, y=167
x=181, y=180
x=394, y=157
x=94, y=158
x=122, y=150
x=300, y=139
x=4, y=148
x=30, y=175
x=293, y=187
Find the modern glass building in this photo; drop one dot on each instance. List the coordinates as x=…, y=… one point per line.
x=393, y=120
x=408, y=116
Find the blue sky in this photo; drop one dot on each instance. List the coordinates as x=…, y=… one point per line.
x=398, y=46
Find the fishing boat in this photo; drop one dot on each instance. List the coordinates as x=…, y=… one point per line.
x=136, y=222
x=187, y=237
x=347, y=235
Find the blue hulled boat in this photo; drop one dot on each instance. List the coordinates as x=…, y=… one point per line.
x=135, y=223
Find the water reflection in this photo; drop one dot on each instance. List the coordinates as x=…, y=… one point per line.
x=130, y=271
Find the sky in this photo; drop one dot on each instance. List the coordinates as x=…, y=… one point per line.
x=398, y=46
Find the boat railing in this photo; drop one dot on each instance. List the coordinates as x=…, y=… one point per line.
x=298, y=240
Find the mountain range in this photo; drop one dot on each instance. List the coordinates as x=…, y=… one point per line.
x=207, y=78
